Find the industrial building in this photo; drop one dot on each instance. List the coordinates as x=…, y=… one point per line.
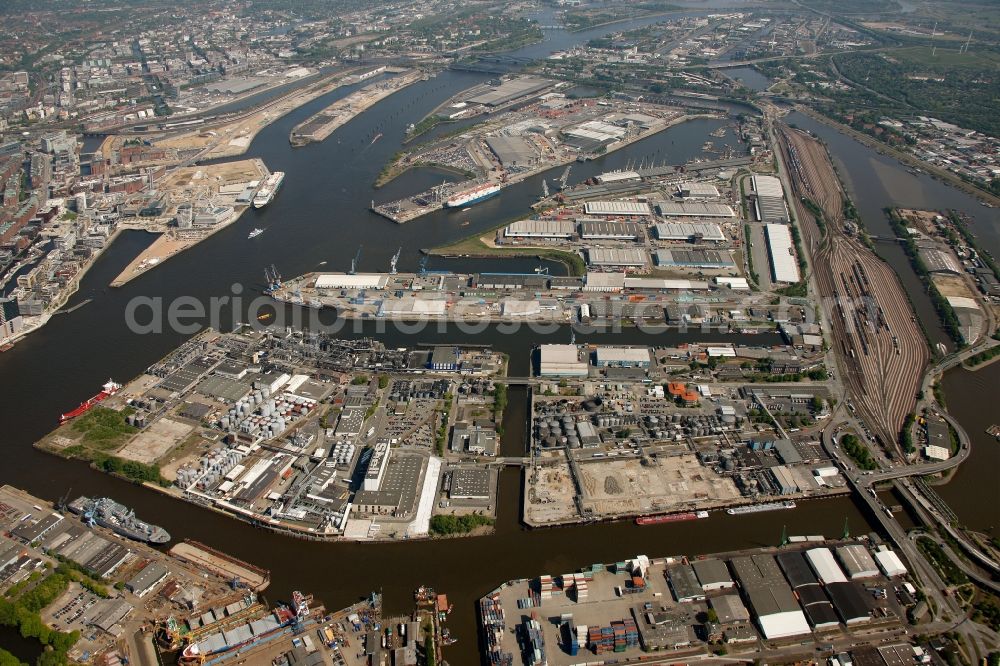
x=560, y=229
x=561, y=361
x=815, y=603
x=729, y=609
x=608, y=231
x=769, y=200
x=401, y=307
x=694, y=259
x=698, y=191
x=938, y=259
x=513, y=151
x=605, y=282
x=509, y=91
x=770, y=597
x=713, y=575
x=592, y=135
x=470, y=484
x=617, y=208
x=693, y=209
x=622, y=357
x=784, y=480
x=693, y=232
x=784, y=267
x=345, y=281
x=852, y=603
x=734, y=283
x=377, y=464
x=858, y=563
x=684, y=584
x=631, y=257
x=889, y=563
x=823, y=563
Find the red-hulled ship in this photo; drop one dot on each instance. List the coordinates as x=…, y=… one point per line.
x=110, y=388
x=671, y=518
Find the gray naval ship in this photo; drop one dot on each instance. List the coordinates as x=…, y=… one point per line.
x=119, y=518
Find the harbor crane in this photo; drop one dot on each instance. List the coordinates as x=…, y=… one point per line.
x=272, y=277
x=564, y=178
x=355, y=260
x=394, y=261
x=545, y=188
x=422, y=270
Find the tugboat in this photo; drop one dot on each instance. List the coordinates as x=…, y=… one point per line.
x=255, y=233
x=119, y=518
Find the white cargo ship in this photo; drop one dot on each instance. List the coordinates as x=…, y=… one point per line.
x=267, y=191
x=473, y=195
x=757, y=508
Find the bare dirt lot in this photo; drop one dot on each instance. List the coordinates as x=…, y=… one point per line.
x=154, y=442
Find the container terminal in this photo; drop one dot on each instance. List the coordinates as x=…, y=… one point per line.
x=808, y=599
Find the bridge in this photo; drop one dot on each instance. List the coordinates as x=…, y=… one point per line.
x=513, y=461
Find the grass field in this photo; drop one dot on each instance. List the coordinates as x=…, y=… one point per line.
x=474, y=246
x=921, y=56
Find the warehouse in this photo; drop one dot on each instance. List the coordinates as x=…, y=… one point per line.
x=561, y=361
x=508, y=91
x=684, y=583
x=592, y=135
x=509, y=281
x=515, y=307
x=769, y=204
x=600, y=256
x=664, y=284
x=697, y=191
x=609, y=231
x=622, y=357
x=392, y=307
x=713, y=575
x=784, y=479
x=729, y=609
x=822, y=562
x=857, y=562
x=852, y=604
x=939, y=260
x=540, y=229
x=778, y=613
x=470, y=484
x=694, y=232
x=694, y=259
x=624, y=310
x=143, y=582
x=784, y=267
x=814, y=601
x=512, y=151
x=605, y=282
x=693, y=209
x=345, y=281
x=617, y=208
x=734, y=283
x=889, y=563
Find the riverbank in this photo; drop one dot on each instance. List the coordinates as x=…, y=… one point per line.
x=321, y=125
x=904, y=157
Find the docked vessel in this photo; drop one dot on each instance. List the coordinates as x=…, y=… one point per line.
x=757, y=508
x=240, y=636
x=109, y=389
x=267, y=191
x=255, y=233
x=119, y=518
x=473, y=195
x=671, y=518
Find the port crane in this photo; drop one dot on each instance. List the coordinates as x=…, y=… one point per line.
x=564, y=178
x=272, y=277
x=355, y=260
x=545, y=188
x=394, y=261
x=422, y=270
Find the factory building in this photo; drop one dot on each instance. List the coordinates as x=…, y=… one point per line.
x=815, y=603
x=515, y=307
x=592, y=135
x=561, y=361
x=478, y=438
x=622, y=357
x=608, y=231
x=784, y=267
x=852, y=603
x=377, y=465
x=628, y=257
x=729, y=608
x=858, y=563
x=417, y=307
x=540, y=229
x=621, y=208
x=684, y=584
x=769, y=200
x=694, y=209
x=445, y=358
x=938, y=259
x=769, y=595
x=693, y=232
x=734, y=283
x=694, y=259
x=784, y=480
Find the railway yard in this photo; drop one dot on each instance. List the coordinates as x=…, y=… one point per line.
x=877, y=339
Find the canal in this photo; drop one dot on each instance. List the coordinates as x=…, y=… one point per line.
x=321, y=216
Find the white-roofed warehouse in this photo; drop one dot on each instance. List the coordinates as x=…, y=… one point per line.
x=540, y=229
x=689, y=231
x=890, y=563
x=617, y=208
x=784, y=267
x=858, y=563
x=345, y=281
x=826, y=568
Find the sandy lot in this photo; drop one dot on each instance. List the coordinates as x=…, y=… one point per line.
x=154, y=442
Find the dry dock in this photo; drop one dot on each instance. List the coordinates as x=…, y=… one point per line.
x=222, y=564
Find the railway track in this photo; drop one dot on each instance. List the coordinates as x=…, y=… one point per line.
x=877, y=340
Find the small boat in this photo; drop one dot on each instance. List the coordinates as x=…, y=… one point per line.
x=464, y=224
x=255, y=233
x=377, y=137
x=264, y=316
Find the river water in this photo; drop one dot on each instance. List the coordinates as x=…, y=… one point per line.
x=321, y=216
